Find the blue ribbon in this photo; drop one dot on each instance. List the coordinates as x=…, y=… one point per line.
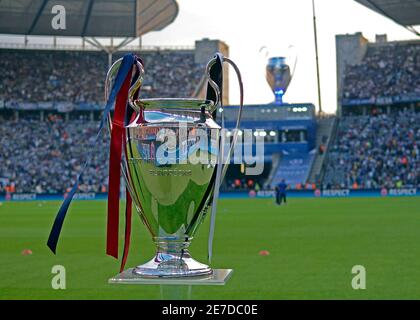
x=126, y=67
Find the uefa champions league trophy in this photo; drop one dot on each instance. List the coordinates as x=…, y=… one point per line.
x=279, y=73
x=171, y=190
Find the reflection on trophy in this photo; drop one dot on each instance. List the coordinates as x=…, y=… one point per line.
x=278, y=77
x=172, y=173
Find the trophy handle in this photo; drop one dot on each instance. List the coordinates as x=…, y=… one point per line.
x=218, y=101
x=133, y=89
x=213, y=84
x=222, y=168
x=263, y=53
x=293, y=56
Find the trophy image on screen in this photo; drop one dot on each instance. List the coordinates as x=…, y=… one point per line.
x=172, y=168
x=279, y=72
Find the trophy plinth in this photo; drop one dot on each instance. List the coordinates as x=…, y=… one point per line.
x=173, y=288
x=218, y=277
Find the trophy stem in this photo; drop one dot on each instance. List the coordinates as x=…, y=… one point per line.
x=172, y=260
x=278, y=96
x=169, y=246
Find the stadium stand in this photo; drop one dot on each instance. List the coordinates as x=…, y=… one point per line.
x=65, y=76
x=376, y=144
x=46, y=154
x=388, y=70
x=294, y=168
x=289, y=134
x=380, y=151
x=35, y=78
x=326, y=126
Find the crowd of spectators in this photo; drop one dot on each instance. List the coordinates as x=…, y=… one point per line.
x=171, y=74
x=45, y=156
x=380, y=151
x=387, y=70
x=50, y=76
x=78, y=76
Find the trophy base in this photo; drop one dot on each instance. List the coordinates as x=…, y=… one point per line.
x=219, y=277
x=166, y=265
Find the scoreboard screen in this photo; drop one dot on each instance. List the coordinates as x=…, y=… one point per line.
x=272, y=112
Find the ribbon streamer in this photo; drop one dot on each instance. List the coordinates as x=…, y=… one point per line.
x=114, y=175
x=123, y=72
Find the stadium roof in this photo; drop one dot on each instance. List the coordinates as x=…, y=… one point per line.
x=405, y=12
x=90, y=18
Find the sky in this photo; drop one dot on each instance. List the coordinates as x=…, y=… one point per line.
x=248, y=25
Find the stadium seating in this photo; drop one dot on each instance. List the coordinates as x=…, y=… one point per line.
x=294, y=168
x=46, y=155
x=380, y=151
x=31, y=76
x=370, y=151
x=378, y=148
x=387, y=70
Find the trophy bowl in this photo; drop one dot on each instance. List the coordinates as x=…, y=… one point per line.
x=170, y=188
x=278, y=76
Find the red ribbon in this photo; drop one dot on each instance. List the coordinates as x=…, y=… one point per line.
x=117, y=142
x=129, y=201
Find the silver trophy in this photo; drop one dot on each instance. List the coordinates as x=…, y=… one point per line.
x=279, y=72
x=173, y=169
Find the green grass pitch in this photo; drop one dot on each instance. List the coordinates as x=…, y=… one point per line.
x=313, y=245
